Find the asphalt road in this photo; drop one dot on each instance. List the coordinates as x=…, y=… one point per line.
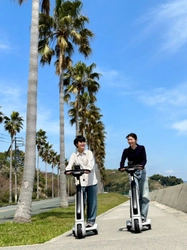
x=7, y=213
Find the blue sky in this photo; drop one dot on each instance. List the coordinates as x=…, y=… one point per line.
x=140, y=48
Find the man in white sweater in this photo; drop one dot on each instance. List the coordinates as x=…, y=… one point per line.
x=85, y=159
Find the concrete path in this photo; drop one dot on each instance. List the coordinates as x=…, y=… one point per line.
x=169, y=231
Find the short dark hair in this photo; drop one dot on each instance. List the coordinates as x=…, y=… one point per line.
x=79, y=138
x=133, y=135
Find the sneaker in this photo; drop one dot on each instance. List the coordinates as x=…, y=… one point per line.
x=89, y=224
x=143, y=220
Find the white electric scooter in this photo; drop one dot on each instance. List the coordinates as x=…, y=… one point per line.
x=135, y=223
x=80, y=229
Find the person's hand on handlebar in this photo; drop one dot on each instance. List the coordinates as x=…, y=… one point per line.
x=68, y=172
x=122, y=169
x=140, y=167
x=86, y=172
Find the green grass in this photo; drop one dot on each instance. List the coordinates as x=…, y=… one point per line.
x=51, y=224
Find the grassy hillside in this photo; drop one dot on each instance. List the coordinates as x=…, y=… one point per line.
x=119, y=182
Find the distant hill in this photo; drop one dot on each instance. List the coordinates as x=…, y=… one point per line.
x=116, y=181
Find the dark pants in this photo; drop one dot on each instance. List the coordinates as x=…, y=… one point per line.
x=90, y=199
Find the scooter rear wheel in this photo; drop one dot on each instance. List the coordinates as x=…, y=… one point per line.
x=95, y=231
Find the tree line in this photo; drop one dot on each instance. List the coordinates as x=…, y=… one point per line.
x=166, y=180
x=116, y=181
x=46, y=181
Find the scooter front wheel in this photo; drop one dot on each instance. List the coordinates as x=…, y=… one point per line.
x=136, y=226
x=79, y=231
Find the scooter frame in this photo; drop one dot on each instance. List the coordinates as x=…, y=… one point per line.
x=135, y=223
x=79, y=230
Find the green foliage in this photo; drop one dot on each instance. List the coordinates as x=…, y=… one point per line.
x=4, y=183
x=60, y=220
x=116, y=181
x=166, y=180
x=4, y=197
x=3, y=160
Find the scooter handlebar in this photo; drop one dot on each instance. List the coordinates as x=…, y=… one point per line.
x=131, y=168
x=77, y=172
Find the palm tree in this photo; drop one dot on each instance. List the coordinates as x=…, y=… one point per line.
x=13, y=125
x=96, y=139
x=40, y=142
x=79, y=79
x=46, y=158
x=58, y=35
x=23, y=212
x=1, y=116
x=91, y=126
x=54, y=162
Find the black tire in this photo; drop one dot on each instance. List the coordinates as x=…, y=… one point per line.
x=149, y=226
x=136, y=226
x=128, y=228
x=79, y=231
x=95, y=231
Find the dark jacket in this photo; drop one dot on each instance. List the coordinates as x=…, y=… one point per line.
x=136, y=156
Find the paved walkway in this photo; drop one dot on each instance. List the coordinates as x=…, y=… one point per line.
x=169, y=230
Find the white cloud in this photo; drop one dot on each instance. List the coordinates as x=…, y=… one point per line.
x=46, y=122
x=170, y=104
x=169, y=171
x=169, y=22
x=4, y=41
x=113, y=78
x=12, y=98
x=174, y=97
x=181, y=126
x=4, y=46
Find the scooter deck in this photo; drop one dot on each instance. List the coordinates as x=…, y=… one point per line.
x=147, y=224
x=93, y=229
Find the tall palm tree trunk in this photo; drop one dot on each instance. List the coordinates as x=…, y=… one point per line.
x=15, y=174
x=23, y=212
x=58, y=182
x=10, y=177
x=16, y=186
x=77, y=115
x=45, y=175
x=52, y=181
x=63, y=194
x=38, y=169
